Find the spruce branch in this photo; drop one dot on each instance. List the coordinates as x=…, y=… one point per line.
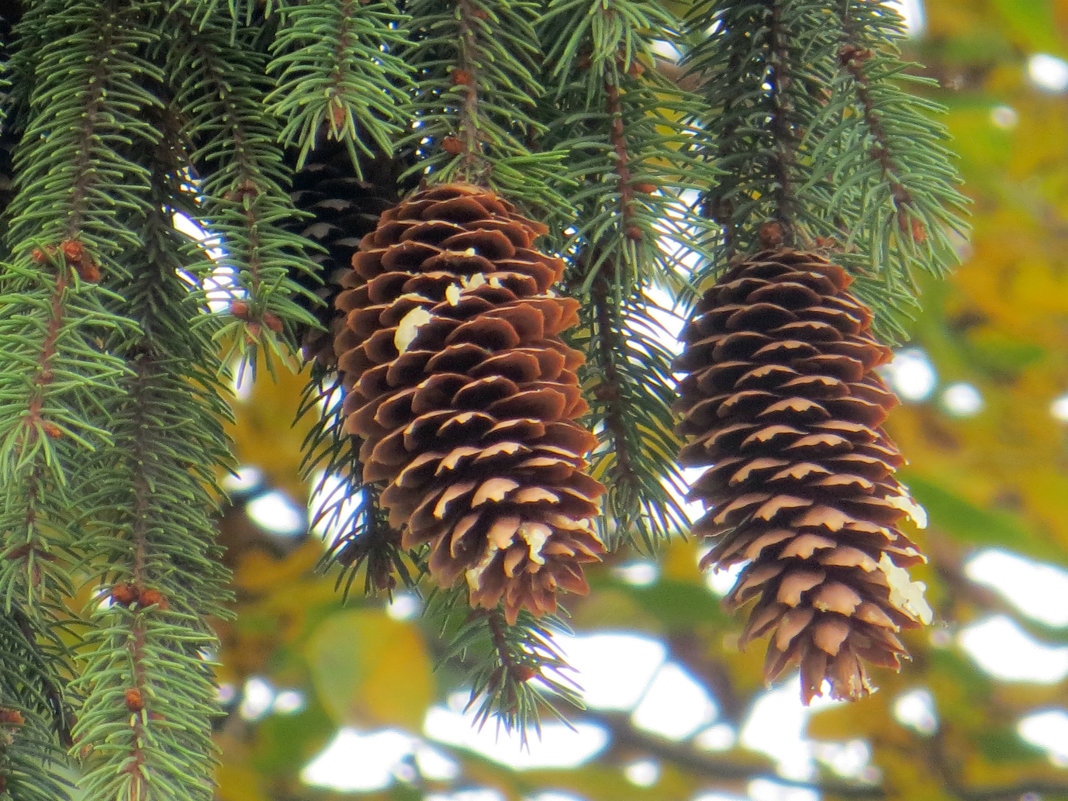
x=633, y=236
x=909, y=208
x=33, y=712
x=516, y=671
x=629, y=381
x=346, y=503
x=148, y=500
x=825, y=143
x=54, y=377
x=337, y=75
x=762, y=69
x=781, y=124
x=85, y=112
x=244, y=184
x=149, y=692
x=474, y=96
x=74, y=184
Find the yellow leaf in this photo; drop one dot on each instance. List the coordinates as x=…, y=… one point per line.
x=238, y=781
x=263, y=430
x=369, y=668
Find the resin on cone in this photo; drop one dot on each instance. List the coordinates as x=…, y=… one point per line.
x=782, y=403
x=464, y=397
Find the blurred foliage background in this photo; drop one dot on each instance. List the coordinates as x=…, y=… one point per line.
x=329, y=700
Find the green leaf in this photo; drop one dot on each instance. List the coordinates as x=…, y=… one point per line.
x=1032, y=23
x=368, y=668
x=964, y=521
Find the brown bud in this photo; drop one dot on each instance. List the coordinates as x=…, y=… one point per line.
x=88, y=271
x=51, y=429
x=125, y=594
x=38, y=256
x=19, y=552
x=452, y=145
x=246, y=189
x=134, y=701
x=338, y=116
x=272, y=321
x=771, y=235
x=851, y=54
x=151, y=598
x=645, y=187
x=634, y=233
x=462, y=78
x=73, y=251
x=10, y=717
x=239, y=309
x=525, y=672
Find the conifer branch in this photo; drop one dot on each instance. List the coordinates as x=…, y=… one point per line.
x=762, y=69
x=74, y=184
x=825, y=142
x=346, y=503
x=633, y=233
x=32, y=713
x=245, y=202
x=73, y=176
x=474, y=98
x=782, y=124
x=909, y=207
x=466, y=78
x=149, y=693
x=629, y=378
x=337, y=74
x=516, y=671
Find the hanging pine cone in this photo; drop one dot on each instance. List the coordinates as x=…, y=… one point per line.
x=783, y=401
x=343, y=210
x=464, y=397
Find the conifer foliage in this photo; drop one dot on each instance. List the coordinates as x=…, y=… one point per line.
x=491, y=385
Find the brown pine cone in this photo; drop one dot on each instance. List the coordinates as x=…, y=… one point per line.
x=343, y=210
x=464, y=397
x=782, y=400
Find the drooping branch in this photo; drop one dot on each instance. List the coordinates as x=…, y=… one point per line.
x=633, y=233
x=781, y=123
x=514, y=672
x=474, y=96
x=338, y=78
x=465, y=76
x=243, y=187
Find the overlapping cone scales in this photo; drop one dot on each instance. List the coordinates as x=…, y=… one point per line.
x=343, y=209
x=782, y=402
x=465, y=397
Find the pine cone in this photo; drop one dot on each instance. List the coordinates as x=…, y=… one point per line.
x=344, y=209
x=782, y=399
x=464, y=397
